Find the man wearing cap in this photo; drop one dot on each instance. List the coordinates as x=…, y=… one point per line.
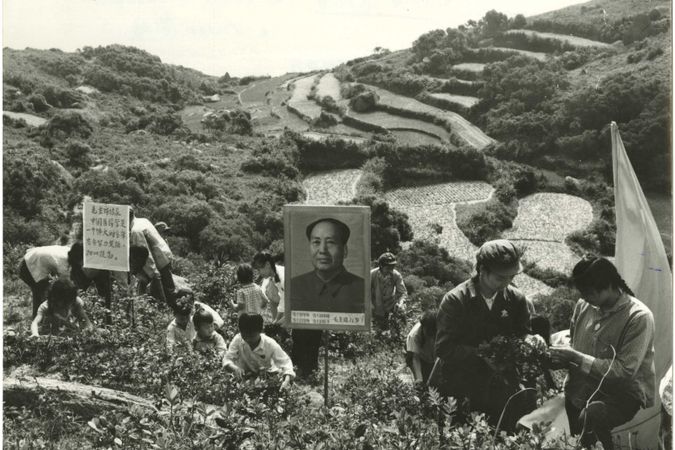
x=387, y=289
x=474, y=312
x=329, y=287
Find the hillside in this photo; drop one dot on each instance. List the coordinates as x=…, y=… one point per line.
x=498, y=128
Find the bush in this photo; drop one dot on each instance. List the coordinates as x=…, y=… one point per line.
x=66, y=124
x=486, y=222
x=558, y=307
x=79, y=155
x=598, y=238
x=430, y=262
x=364, y=102
x=389, y=227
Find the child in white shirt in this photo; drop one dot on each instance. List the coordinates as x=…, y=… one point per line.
x=181, y=330
x=252, y=352
x=207, y=338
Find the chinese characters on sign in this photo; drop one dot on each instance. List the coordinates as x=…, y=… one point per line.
x=106, y=236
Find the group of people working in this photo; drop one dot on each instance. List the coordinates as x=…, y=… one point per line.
x=610, y=357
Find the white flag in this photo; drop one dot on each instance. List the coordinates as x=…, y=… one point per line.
x=641, y=260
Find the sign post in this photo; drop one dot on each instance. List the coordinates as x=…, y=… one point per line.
x=106, y=241
x=327, y=273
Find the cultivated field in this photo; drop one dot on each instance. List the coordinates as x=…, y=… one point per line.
x=412, y=138
x=573, y=40
x=329, y=188
x=316, y=136
x=328, y=86
x=30, y=119
x=536, y=55
x=440, y=194
x=299, y=103
x=547, y=216
x=544, y=221
x=431, y=209
x=473, y=135
x=462, y=100
x=470, y=67
x=392, y=122
x=256, y=92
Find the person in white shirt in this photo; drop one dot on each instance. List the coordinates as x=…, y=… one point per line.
x=252, y=352
x=142, y=232
x=207, y=339
x=38, y=266
x=419, y=346
x=181, y=331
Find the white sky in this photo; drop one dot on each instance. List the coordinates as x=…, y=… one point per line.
x=245, y=37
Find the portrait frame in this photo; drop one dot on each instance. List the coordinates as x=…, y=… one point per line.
x=302, y=277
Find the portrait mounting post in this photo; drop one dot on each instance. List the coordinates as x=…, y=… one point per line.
x=327, y=258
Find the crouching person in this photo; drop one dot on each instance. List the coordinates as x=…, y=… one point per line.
x=419, y=347
x=252, y=352
x=62, y=312
x=207, y=339
x=181, y=331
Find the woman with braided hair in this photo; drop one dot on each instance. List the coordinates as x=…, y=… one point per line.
x=611, y=357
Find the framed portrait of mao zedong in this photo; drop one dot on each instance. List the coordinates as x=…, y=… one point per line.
x=327, y=258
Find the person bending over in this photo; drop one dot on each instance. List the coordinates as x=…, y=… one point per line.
x=62, y=312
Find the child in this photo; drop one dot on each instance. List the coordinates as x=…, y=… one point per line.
x=419, y=347
x=62, y=310
x=181, y=330
x=206, y=337
x=250, y=297
x=251, y=351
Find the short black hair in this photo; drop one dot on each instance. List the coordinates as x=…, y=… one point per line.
x=343, y=229
x=62, y=292
x=245, y=273
x=202, y=317
x=250, y=323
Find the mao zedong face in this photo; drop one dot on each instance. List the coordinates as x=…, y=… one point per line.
x=327, y=248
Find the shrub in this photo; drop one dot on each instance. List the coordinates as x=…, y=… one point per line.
x=79, y=155
x=364, y=102
x=388, y=226
x=428, y=261
x=39, y=103
x=487, y=221
x=68, y=124
x=558, y=307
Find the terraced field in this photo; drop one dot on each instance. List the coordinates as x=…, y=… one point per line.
x=299, y=103
x=432, y=208
x=544, y=221
x=573, y=40
x=329, y=188
x=536, y=55
x=30, y=119
x=392, y=122
x=329, y=86
x=316, y=136
x=473, y=135
x=462, y=100
x=470, y=67
x=256, y=92
x=548, y=216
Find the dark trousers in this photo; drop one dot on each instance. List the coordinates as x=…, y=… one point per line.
x=38, y=289
x=168, y=285
x=305, y=350
x=599, y=418
x=666, y=431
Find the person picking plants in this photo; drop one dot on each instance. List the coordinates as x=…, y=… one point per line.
x=473, y=313
x=253, y=352
x=611, y=357
x=419, y=346
x=181, y=331
x=207, y=338
x=62, y=312
x=387, y=289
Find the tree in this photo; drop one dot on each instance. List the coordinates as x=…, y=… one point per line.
x=518, y=22
x=493, y=23
x=389, y=227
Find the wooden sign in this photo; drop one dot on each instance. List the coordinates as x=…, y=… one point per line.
x=106, y=236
